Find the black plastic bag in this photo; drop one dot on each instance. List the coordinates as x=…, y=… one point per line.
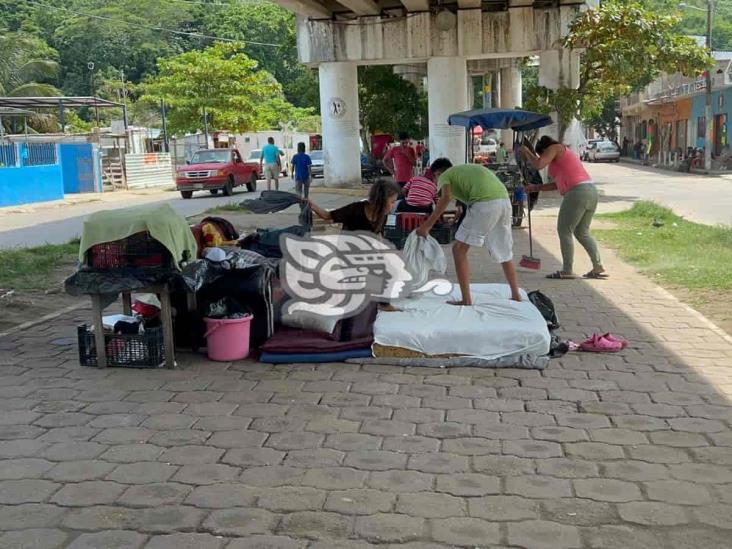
x=267, y=241
x=546, y=308
x=558, y=347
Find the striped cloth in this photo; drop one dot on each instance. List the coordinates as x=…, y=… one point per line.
x=420, y=191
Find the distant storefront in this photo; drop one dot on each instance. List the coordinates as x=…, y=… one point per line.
x=668, y=117
x=722, y=112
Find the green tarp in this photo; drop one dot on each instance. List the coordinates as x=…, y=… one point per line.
x=162, y=222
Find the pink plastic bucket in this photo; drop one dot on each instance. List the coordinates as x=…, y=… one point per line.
x=227, y=339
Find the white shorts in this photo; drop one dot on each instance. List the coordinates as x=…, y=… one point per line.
x=271, y=171
x=488, y=224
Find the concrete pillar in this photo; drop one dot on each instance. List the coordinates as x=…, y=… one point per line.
x=471, y=91
x=510, y=98
x=339, y=113
x=447, y=93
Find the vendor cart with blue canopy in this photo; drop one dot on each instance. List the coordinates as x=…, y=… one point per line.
x=524, y=125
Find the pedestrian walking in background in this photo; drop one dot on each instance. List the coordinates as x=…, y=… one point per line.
x=426, y=157
x=302, y=167
x=579, y=202
x=419, y=149
x=501, y=153
x=401, y=160
x=270, y=164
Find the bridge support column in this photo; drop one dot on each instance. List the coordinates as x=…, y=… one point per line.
x=447, y=93
x=339, y=114
x=510, y=98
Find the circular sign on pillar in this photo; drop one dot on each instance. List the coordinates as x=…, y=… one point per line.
x=336, y=108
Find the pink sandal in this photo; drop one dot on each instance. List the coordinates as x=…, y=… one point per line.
x=600, y=344
x=610, y=337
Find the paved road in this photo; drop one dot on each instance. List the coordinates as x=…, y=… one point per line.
x=698, y=198
x=57, y=223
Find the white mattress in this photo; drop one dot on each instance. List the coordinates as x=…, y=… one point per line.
x=494, y=327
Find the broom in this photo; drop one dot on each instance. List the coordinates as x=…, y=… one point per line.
x=529, y=261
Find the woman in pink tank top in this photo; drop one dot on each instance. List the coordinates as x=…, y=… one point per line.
x=579, y=202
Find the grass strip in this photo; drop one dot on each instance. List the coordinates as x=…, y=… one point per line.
x=670, y=249
x=32, y=268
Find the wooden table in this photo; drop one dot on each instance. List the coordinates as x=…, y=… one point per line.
x=166, y=313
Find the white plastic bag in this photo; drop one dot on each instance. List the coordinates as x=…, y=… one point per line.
x=423, y=255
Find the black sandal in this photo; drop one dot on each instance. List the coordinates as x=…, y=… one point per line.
x=595, y=276
x=559, y=275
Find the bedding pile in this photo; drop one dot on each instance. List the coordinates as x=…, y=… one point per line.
x=310, y=339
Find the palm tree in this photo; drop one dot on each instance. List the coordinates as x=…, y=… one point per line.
x=26, y=66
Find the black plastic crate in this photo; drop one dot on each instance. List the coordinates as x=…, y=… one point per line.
x=444, y=234
x=145, y=350
x=139, y=251
x=396, y=235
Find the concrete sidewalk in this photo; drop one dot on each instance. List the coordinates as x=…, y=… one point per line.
x=624, y=451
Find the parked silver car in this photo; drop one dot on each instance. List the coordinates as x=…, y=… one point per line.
x=317, y=163
x=605, y=151
x=588, y=148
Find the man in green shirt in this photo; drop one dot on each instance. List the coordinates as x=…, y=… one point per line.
x=486, y=224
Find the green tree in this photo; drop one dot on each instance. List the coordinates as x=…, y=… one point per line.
x=625, y=46
x=126, y=37
x=16, y=16
x=310, y=124
x=694, y=22
x=121, y=36
x=27, y=66
x=389, y=104
x=259, y=24
x=221, y=81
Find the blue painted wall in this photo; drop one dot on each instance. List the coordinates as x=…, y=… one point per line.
x=697, y=111
x=31, y=184
x=77, y=163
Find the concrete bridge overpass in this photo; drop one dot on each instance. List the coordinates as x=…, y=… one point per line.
x=448, y=43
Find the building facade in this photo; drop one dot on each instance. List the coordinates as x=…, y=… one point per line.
x=666, y=120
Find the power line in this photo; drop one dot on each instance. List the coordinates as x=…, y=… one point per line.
x=149, y=27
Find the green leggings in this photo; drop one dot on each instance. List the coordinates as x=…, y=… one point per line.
x=575, y=216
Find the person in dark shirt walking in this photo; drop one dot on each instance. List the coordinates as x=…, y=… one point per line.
x=301, y=164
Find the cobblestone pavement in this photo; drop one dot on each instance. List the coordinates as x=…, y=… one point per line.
x=599, y=451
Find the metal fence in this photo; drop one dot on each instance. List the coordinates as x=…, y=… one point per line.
x=15, y=155
x=38, y=154
x=148, y=170
x=8, y=156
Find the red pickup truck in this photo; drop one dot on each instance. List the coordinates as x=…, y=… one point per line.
x=215, y=170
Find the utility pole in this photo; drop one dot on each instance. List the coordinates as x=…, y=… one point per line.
x=166, y=142
x=205, y=125
x=708, y=138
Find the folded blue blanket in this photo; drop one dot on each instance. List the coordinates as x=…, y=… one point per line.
x=282, y=358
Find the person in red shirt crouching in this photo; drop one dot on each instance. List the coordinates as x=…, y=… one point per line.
x=421, y=194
